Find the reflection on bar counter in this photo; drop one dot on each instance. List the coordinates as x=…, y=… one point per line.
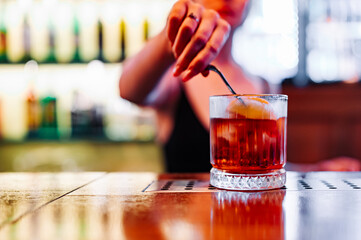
x=258, y=215
x=61, y=102
x=103, y=210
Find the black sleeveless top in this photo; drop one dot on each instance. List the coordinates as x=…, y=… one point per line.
x=187, y=149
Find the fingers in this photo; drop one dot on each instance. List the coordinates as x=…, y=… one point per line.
x=188, y=28
x=208, y=52
x=196, y=35
x=198, y=40
x=175, y=19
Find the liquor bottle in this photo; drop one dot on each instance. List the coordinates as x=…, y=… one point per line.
x=49, y=125
x=122, y=38
x=2, y=36
x=76, y=37
x=15, y=32
x=88, y=32
x=145, y=30
x=39, y=32
x=64, y=34
x=32, y=114
x=86, y=118
x=134, y=28
x=13, y=109
x=80, y=116
x=100, y=40
x=111, y=47
x=156, y=15
x=97, y=121
x=32, y=108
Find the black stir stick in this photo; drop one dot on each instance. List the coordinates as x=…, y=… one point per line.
x=214, y=69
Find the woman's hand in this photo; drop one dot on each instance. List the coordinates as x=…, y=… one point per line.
x=196, y=35
x=340, y=164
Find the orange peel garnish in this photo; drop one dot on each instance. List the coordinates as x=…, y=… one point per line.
x=253, y=108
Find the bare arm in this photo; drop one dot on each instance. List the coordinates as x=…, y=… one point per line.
x=191, y=39
x=142, y=72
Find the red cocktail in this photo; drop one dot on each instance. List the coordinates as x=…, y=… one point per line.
x=248, y=141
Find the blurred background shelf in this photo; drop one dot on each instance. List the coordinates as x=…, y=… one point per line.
x=60, y=62
x=32, y=156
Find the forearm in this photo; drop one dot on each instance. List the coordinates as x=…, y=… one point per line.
x=142, y=72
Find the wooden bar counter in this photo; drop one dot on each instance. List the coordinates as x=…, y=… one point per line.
x=97, y=205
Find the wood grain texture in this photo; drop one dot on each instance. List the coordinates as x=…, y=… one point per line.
x=114, y=206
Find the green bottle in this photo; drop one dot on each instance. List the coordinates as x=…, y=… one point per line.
x=49, y=125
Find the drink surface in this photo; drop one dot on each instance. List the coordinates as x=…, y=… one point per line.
x=247, y=145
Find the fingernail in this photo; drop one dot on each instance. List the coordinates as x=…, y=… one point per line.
x=188, y=75
x=176, y=71
x=205, y=73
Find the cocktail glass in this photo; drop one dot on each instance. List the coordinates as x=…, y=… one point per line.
x=248, y=141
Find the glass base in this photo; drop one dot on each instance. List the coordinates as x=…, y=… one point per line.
x=248, y=182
